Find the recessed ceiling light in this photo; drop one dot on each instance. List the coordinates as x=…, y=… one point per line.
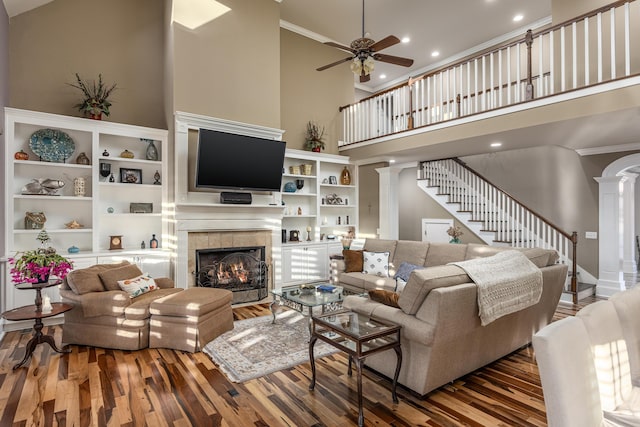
x=435, y=53
x=406, y=40
x=496, y=144
x=392, y=161
x=517, y=18
x=383, y=76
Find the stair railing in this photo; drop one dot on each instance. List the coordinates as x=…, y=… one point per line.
x=512, y=221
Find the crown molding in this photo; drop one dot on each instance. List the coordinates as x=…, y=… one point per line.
x=608, y=149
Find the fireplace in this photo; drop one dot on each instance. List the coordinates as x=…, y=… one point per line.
x=241, y=270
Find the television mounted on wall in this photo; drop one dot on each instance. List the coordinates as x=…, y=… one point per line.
x=238, y=162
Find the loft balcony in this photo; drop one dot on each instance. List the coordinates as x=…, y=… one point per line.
x=575, y=84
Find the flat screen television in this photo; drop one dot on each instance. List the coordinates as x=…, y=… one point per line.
x=238, y=162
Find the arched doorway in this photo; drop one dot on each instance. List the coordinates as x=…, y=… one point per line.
x=617, y=224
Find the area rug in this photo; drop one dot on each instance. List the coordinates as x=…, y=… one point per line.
x=256, y=347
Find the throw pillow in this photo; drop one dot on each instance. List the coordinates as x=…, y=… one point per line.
x=400, y=284
x=384, y=297
x=111, y=276
x=85, y=280
x=352, y=261
x=376, y=263
x=404, y=271
x=138, y=285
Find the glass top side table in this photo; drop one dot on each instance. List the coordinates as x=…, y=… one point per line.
x=359, y=336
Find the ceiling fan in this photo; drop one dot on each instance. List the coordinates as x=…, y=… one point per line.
x=365, y=51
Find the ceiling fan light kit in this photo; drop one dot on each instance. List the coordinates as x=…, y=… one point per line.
x=365, y=52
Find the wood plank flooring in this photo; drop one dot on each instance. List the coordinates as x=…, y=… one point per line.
x=158, y=387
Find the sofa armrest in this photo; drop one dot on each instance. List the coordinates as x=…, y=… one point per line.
x=94, y=304
x=165, y=283
x=413, y=329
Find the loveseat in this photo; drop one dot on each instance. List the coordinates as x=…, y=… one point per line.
x=442, y=336
x=118, y=306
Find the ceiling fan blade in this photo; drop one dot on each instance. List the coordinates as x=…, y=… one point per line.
x=364, y=78
x=333, y=64
x=385, y=43
x=339, y=46
x=397, y=60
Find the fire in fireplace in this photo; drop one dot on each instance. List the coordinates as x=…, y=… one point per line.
x=240, y=270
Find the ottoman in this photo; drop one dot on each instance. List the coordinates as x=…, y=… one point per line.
x=188, y=320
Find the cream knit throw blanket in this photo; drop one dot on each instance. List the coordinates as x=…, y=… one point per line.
x=507, y=282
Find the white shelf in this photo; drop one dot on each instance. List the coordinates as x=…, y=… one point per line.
x=53, y=198
x=299, y=194
x=338, y=206
x=54, y=230
x=39, y=163
x=289, y=175
x=135, y=215
x=104, y=159
x=299, y=216
x=337, y=186
x=133, y=186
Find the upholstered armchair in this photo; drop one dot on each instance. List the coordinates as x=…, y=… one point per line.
x=104, y=315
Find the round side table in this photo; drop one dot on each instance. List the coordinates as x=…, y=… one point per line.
x=34, y=312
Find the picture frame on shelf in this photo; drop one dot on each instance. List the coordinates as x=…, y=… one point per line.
x=333, y=180
x=140, y=207
x=130, y=176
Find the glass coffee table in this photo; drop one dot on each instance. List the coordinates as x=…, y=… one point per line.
x=302, y=300
x=359, y=336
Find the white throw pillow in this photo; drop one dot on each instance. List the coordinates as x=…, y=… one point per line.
x=376, y=263
x=138, y=285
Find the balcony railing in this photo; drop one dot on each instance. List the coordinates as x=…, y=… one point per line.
x=591, y=49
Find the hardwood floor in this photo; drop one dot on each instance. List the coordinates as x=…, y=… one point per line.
x=158, y=387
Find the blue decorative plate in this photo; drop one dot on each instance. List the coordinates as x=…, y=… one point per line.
x=52, y=145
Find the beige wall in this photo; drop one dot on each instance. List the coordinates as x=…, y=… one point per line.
x=308, y=94
x=230, y=67
x=369, y=200
x=564, y=10
x=121, y=39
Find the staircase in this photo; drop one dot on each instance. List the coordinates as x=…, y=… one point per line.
x=499, y=219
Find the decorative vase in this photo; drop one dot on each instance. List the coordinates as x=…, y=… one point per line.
x=82, y=159
x=152, y=151
x=316, y=149
x=126, y=154
x=454, y=240
x=345, y=177
x=153, y=243
x=95, y=116
x=79, y=189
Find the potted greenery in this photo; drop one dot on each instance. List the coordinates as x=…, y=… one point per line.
x=313, y=139
x=96, y=97
x=35, y=266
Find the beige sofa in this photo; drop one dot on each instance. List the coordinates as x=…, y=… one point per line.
x=590, y=364
x=442, y=337
x=106, y=316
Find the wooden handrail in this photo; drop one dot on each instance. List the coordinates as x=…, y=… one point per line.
x=545, y=220
x=572, y=237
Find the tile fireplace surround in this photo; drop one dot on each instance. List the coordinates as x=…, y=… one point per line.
x=224, y=226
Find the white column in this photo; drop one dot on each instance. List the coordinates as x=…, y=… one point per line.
x=388, y=222
x=629, y=265
x=610, y=278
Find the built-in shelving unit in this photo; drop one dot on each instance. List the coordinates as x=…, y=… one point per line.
x=307, y=209
x=104, y=209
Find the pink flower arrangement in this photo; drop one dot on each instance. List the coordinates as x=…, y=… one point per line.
x=36, y=266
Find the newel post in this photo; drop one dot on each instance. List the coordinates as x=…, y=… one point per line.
x=574, y=267
x=528, y=39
